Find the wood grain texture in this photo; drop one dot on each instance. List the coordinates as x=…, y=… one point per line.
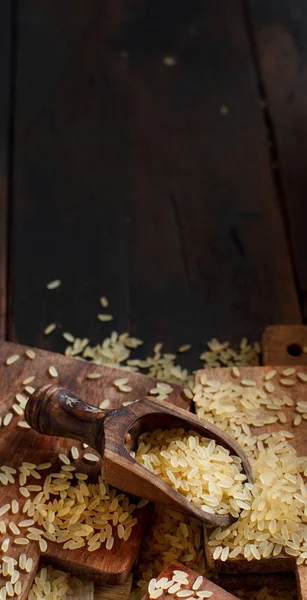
x=158, y=200
x=114, y=592
x=84, y=593
x=26, y=445
x=280, y=36
x=6, y=74
x=301, y=580
x=252, y=582
x=283, y=344
x=283, y=562
x=206, y=584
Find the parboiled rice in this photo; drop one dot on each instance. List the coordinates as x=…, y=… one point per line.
x=275, y=516
x=201, y=470
x=53, y=584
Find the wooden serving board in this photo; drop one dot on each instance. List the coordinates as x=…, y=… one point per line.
x=283, y=562
x=206, y=585
x=18, y=445
x=279, y=343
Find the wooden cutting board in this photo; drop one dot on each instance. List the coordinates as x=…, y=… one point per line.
x=206, y=585
x=19, y=445
x=284, y=344
x=283, y=562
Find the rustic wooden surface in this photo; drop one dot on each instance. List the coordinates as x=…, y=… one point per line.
x=129, y=181
x=256, y=581
x=280, y=36
x=7, y=51
x=283, y=562
x=84, y=593
x=125, y=179
x=207, y=585
x=25, y=444
x=114, y=592
x=284, y=344
x=301, y=579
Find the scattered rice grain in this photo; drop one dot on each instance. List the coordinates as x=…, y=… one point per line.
x=12, y=359
x=50, y=328
x=54, y=284
x=52, y=371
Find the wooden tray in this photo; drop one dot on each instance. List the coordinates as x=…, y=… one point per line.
x=18, y=445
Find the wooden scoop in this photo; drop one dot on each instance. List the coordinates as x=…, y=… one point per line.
x=114, y=433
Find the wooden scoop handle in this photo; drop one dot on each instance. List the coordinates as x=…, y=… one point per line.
x=52, y=410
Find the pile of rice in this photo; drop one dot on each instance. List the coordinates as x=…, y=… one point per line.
x=53, y=584
x=64, y=507
x=71, y=511
x=276, y=518
x=173, y=537
x=198, y=468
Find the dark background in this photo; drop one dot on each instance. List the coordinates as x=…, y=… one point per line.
x=120, y=176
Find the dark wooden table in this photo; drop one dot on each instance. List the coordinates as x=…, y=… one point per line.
x=154, y=152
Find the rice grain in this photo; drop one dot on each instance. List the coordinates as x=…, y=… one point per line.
x=12, y=359
x=91, y=457
x=7, y=419
x=104, y=317
x=52, y=371
x=54, y=284
x=50, y=328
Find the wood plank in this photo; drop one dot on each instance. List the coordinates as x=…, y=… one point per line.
x=282, y=562
x=84, y=593
x=280, y=37
x=5, y=107
x=205, y=585
x=114, y=592
x=276, y=343
x=26, y=445
x=284, y=344
x=129, y=181
x=254, y=582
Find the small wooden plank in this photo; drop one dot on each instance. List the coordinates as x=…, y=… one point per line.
x=301, y=579
x=283, y=344
x=206, y=585
x=6, y=66
x=27, y=445
x=283, y=562
x=280, y=34
x=113, y=592
x=254, y=582
x=275, y=345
